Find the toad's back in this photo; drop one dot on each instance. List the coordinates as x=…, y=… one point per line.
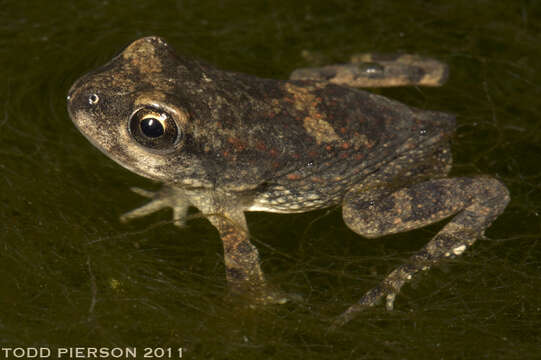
x=302, y=134
x=337, y=137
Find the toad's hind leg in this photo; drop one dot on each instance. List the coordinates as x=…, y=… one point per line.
x=379, y=70
x=475, y=202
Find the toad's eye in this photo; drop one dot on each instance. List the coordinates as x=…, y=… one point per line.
x=154, y=129
x=93, y=99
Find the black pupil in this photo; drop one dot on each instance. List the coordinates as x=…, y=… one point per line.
x=152, y=128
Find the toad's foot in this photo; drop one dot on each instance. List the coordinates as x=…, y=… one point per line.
x=387, y=289
x=474, y=202
x=379, y=70
x=261, y=295
x=164, y=198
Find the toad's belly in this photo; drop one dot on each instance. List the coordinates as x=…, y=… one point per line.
x=279, y=199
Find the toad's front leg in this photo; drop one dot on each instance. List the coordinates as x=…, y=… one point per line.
x=474, y=202
x=243, y=270
x=241, y=258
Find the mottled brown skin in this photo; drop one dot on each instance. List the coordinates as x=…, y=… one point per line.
x=379, y=70
x=233, y=143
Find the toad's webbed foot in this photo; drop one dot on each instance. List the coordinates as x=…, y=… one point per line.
x=474, y=202
x=166, y=197
x=379, y=70
x=260, y=294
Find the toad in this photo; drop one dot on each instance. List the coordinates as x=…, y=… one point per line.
x=227, y=143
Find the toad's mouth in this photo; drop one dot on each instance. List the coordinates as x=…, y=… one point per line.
x=115, y=142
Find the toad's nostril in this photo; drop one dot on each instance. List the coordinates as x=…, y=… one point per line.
x=73, y=89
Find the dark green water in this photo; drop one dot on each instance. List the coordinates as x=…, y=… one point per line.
x=72, y=275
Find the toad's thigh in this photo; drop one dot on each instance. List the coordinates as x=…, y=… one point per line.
x=378, y=213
